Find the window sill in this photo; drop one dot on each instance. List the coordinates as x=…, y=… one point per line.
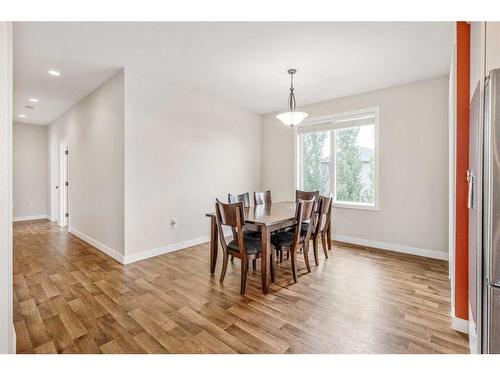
x=355, y=206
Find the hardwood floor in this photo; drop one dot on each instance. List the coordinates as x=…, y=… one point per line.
x=71, y=298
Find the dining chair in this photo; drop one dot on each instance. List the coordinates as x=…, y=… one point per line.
x=263, y=197
x=321, y=226
x=306, y=195
x=293, y=241
x=245, y=198
x=244, y=248
x=302, y=195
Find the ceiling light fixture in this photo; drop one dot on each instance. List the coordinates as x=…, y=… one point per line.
x=34, y=100
x=54, y=73
x=22, y=116
x=291, y=117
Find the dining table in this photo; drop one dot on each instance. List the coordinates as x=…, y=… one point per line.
x=265, y=218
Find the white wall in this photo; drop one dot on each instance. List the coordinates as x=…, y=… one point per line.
x=30, y=170
x=7, y=333
x=413, y=215
x=492, y=46
x=94, y=128
x=183, y=149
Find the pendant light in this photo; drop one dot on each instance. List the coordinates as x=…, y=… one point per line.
x=291, y=117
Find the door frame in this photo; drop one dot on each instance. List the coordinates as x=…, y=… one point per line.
x=54, y=182
x=63, y=179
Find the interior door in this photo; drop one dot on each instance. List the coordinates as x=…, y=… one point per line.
x=474, y=203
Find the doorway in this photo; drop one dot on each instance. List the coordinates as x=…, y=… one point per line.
x=63, y=186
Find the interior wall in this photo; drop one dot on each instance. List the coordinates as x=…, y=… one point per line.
x=94, y=128
x=7, y=333
x=30, y=171
x=183, y=149
x=462, y=165
x=413, y=215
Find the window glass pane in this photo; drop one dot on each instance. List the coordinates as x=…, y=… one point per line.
x=316, y=162
x=355, y=164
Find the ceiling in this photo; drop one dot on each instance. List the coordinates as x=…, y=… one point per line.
x=241, y=63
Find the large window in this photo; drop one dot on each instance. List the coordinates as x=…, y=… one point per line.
x=338, y=155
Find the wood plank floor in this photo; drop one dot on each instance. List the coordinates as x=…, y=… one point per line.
x=71, y=298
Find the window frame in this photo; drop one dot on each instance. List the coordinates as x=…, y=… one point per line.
x=298, y=162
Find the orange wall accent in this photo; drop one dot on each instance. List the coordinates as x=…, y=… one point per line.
x=462, y=164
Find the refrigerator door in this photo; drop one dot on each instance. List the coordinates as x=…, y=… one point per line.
x=493, y=201
x=493, y=340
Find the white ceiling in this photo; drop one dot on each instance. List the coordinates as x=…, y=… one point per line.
x=241, y=63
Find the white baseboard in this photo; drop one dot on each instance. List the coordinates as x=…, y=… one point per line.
x=168, y=249
x=460, y=325
x=100, y=246
x=393, y=247
x=26, y=218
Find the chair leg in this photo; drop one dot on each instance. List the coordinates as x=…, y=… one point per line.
x=315, y=250
x=287, y=255
x=254, y=264
x=232, y=258
x=273, y=266
x=281, y=256
x=329, y=238
x=323, y=242
x=294, y=264
x=224, y=268
x=306, y=257
x=244, y=269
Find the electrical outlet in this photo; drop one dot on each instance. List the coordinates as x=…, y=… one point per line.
x=173, y=223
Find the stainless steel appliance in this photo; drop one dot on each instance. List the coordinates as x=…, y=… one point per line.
x=484, y=280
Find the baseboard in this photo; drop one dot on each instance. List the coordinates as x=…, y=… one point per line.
x=392, y=247
x=168, y=249
x=460, y=325
x=100, y=246
x=26, y=218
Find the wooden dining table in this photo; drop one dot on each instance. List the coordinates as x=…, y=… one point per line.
x=265, y=219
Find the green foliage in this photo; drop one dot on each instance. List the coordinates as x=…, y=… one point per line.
x=348, y=163
x=315, y=176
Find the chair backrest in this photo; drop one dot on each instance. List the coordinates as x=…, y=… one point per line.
x=306, y=195
x=324, y=213
x=304, y=211
x=263, y=197
x=232, y=215
x=245, y=198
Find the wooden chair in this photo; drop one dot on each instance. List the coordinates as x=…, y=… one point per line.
x=306, y=195
x=293, y=241
x=244, y=248
x=245, y=198
x=322, y=226
x=262, y=197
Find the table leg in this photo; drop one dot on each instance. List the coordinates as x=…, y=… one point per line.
x=214, y=243
x=264, y=260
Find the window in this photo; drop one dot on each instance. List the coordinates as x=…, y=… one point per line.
x=338, y=155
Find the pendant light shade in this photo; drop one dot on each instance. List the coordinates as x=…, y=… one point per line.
x=291, y=117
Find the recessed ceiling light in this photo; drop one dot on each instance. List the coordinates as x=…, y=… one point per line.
x=22, y=116
x=54, y=73
x=34, y=100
